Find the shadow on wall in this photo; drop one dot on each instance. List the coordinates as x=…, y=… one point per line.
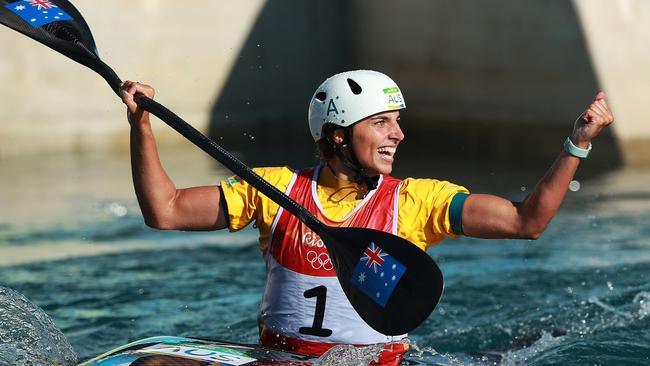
x=497, y=83
x=262, y=111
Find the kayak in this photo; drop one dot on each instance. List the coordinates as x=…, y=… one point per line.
x=177, y=351
x=173, y=351
x=185, y=351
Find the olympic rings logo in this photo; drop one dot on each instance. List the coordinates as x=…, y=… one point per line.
x=319, y=261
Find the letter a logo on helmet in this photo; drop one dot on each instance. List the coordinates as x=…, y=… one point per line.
x=332, y=108
x=346, y=98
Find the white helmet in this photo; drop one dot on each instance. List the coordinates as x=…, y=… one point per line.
x=349, y=97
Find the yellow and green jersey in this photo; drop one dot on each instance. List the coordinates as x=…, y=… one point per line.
x=424, y=215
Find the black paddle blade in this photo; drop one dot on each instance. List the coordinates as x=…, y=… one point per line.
x=390, y=282
x=58, y=25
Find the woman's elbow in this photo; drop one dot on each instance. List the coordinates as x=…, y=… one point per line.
x=158, y=222
x=534, y=231
x=532, y=235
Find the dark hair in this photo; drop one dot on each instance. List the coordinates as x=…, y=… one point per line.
x=324, y=145
x=328, y=149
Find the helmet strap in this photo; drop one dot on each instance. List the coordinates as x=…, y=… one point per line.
x=351, y=162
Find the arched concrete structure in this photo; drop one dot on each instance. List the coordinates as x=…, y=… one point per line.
x=500, y=80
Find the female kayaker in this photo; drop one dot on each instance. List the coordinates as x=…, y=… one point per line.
x=354, y=117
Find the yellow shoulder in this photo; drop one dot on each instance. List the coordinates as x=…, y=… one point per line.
x=279, y=177
x=424, y=210
x=433, y=190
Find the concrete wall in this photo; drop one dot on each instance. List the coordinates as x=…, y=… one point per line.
x=618, y=40
x=495, y=79
x=51, y=104
x=502, y=79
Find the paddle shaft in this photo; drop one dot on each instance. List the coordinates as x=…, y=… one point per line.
x=229, y=161
x=216, y=151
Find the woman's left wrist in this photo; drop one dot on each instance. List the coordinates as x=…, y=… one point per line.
x=580, y=143
x=580, y=150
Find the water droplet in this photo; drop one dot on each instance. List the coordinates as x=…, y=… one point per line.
x=523, y=188
x=116, y=209
x=574, y=186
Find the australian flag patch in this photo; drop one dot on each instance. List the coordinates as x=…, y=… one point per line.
x=37, y=13
x=377, y=274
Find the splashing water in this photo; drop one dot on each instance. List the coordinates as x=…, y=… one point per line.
x=643, y=299
x=349, y=355
x=427, y=355
x=596, y=301
x=416, y=351
x=28, y=336
x=522, y=356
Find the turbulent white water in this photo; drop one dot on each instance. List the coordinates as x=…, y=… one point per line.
x=28, y=337
x=349, y=355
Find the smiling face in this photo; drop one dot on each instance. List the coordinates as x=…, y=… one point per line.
x=375, y=141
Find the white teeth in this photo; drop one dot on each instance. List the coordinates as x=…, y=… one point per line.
x=387, y=150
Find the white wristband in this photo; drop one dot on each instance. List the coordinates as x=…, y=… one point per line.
x=572, y=149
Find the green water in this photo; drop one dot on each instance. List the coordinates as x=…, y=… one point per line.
x=72, y=240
